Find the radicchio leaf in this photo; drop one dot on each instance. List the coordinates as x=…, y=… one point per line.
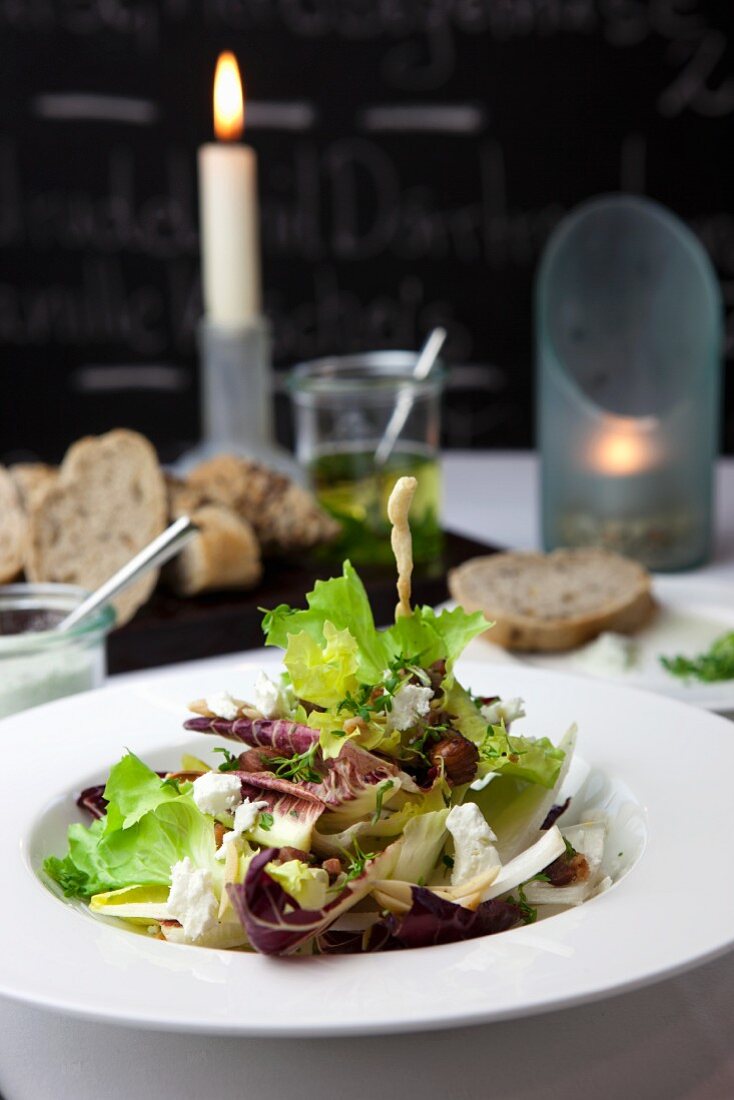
x=432, y=920
x=263, y=782
x=293, y=817
x=273, y=920
x=343, y=779
x=289, y=738
x=554, y=813
x=376, y=938
x=347, y=775
x=92, y=801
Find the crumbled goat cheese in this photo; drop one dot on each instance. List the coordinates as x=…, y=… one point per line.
x=474, y=850
x=222, y=705
x=410, y=703
x=217, y=792
x=245, y=818
x=191, y=901
x=273, y=699
x=504, y=710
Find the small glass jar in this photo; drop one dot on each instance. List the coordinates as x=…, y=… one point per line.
x=37, y=664
x=343, y=405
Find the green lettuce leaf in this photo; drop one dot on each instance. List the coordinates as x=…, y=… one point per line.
x=343, y=602
x=132, y=790
x=323, y=673
x=467, y=716
x=141, y=844
x=434, y=637
x=536, y=761
x=424, y=636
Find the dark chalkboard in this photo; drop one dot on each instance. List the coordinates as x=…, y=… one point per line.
x=413, y=155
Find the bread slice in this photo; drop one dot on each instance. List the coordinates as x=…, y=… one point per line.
x=183, y=499
x=13, y=528
x=287, y=519
x=107, y=503
x=225, y=554
x=32, y=479
x=554, y=601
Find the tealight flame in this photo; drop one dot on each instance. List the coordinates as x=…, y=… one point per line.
x=621, y=451
x=229, y=107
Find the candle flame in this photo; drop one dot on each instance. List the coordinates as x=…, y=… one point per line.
x=229, y=107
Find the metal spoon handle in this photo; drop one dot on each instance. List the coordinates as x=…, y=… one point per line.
x=165, y=546
x=404, y=403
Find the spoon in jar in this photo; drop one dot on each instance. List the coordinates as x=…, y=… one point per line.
x=157, y=552
x=423, y=367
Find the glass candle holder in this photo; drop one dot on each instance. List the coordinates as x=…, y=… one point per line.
x=628, y=357
x=343, y=406
x=37, y=664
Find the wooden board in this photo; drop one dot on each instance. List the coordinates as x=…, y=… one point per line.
x=170, y=629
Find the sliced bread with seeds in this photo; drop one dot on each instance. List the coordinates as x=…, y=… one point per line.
x=555, y=601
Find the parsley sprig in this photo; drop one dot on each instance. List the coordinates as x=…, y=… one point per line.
x=231, y=761
x=357, y=860
x=382, y=790
x=528, y=912
x=717, y=663
x=362, y=705
x=298, y=768
x=497, y=745
x=373, y=699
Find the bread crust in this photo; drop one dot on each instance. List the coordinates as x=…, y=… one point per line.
x=13, y=529
x=224, y=554
x=471, y=585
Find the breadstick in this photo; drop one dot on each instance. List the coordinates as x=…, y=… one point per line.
x=398, y=507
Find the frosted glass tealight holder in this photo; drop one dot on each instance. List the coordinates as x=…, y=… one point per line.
x=628, y=356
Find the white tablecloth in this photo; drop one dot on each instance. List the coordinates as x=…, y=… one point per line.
x=670, y=1041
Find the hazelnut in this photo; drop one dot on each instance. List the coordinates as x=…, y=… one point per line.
x=566, y=870
x=459, y=757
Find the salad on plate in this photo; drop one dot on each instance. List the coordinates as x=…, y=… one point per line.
x=367, y=801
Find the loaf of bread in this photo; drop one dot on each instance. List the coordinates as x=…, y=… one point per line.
x=13, y=528
x=224, y=554
x=286, y=518
x=106, y=504
x=554, y=601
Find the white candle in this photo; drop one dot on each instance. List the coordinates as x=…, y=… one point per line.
x=230, y=240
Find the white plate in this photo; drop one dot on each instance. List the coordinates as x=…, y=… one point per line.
x=670, y=765
x=691, y=615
